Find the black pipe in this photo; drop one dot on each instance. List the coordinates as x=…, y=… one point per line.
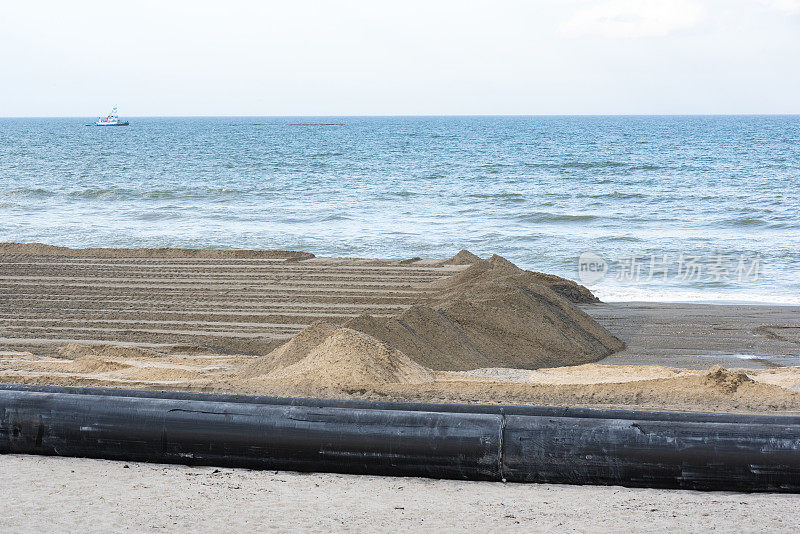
x=554, y=411
x=382, y=442
x=646, y=453
x=654, y=449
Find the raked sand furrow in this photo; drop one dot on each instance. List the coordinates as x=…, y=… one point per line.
x=156, y=274
x=161, y=298
x=83, y=323
x=102, y=294
x=237, y=302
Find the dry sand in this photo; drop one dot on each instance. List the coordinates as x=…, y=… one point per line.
x=44, y=494
x=347, y=358
x=459, y=330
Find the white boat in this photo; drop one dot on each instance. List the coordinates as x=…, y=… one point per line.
x=111, y=120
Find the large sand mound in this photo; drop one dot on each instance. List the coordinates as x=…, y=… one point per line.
x=347, y=358
x=492, y=314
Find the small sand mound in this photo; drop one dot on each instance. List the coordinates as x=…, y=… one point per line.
x=347, y=358
x=95, y=364
x=464, y=257
x=492, y=314
x=290, y=352
x=729, y=381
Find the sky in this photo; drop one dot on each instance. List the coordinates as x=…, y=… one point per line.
x=409, y=57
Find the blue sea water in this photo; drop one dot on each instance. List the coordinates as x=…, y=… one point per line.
x=651, y=196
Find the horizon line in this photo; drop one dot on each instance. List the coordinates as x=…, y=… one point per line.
x=790, y=114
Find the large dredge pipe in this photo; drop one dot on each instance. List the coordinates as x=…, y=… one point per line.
x=501, y=409
x=524, y=444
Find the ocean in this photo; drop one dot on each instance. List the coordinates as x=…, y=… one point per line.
x=663, y=208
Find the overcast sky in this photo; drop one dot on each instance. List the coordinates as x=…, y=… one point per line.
x=409, y=57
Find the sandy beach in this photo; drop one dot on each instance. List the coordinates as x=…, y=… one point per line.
x=289, y=323
x=67, y=494
x=457, y=330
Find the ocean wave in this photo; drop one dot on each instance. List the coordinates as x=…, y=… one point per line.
x=505, y=197
x=646, y=167
x=336, y=217
x=615, y=194
x=30, y=192
x=784, y=225
x=609, y=164
x=158, y=215
x=157, y=194
x=103, y=194
x=545, y=217
x=591, y=164
x=746, y=221
x=622, y=238
x=120, y=193
x=618, y=194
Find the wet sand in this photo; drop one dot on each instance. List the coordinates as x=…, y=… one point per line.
x=73, y=494
x=695, y=336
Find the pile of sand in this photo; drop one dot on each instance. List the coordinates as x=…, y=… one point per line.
x=724, y=380
x=343, y=358
x=464, y=257
x=572, y=291
x=290, y=352
x=492, y=314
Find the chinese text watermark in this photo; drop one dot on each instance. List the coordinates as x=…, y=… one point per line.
x=662, y=267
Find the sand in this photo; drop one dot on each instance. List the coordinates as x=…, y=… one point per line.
x=492, y=314
x=347, y=358
x=73, y=494
x=697, y=336
x=286, y=323
x=568, y=289
x=459, y=330
x=39, y=249
x=226, y=302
